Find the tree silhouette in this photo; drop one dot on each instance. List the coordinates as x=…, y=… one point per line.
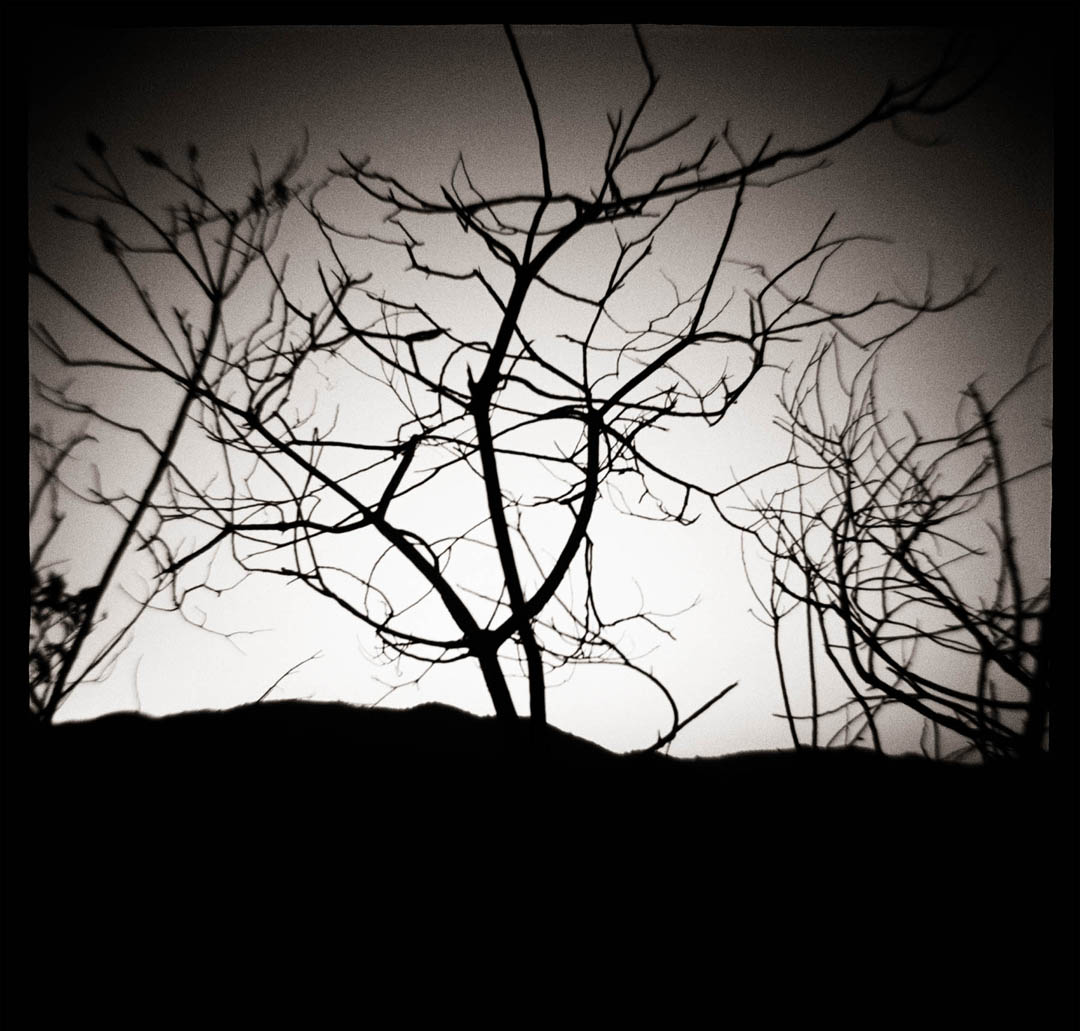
x=459, y=528
x=873, y=544
x=56, y=666
x=61, y=620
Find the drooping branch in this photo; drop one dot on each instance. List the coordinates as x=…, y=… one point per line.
x=867, y=547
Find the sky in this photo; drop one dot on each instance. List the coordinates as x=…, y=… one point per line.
x=412, y=99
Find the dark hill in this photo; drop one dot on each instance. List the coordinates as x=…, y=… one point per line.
x=336, y=772
x=295, y=822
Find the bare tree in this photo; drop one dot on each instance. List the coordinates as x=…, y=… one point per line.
x=459, y=528
x=879, y=548
x=57, y=615
x=61, y=623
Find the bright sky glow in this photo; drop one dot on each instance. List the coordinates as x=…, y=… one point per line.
x=412, y=99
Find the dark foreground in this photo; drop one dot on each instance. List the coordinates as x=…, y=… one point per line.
x=421, y=840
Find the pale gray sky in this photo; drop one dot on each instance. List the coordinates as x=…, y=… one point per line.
x=412, y=99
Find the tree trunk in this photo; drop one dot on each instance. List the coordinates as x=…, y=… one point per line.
x=496, y=685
